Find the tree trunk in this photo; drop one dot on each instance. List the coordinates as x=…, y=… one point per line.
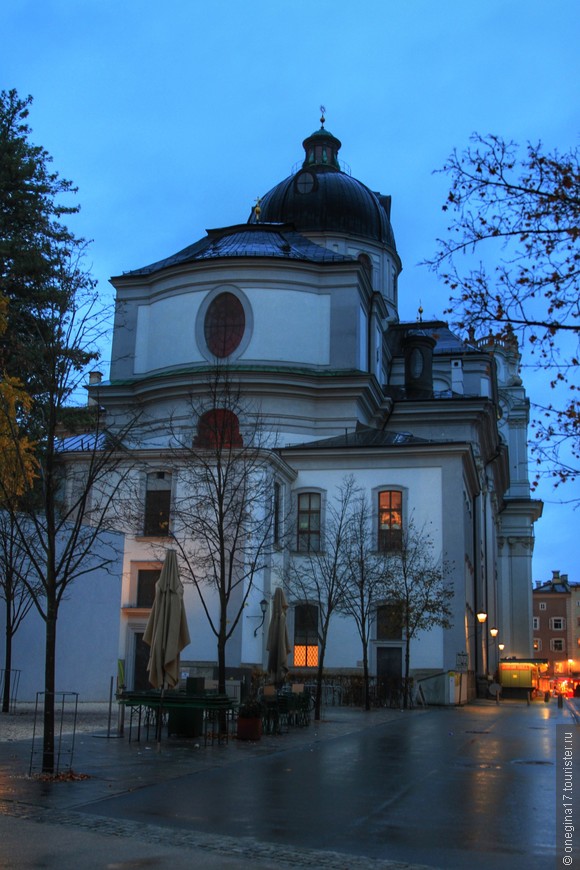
x=49, y=685
x=221, y=649
x=407, y=668
x=7, y=660
x=366, y=675
x=319, y=676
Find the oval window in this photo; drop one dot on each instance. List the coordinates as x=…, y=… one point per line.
x=224, y=325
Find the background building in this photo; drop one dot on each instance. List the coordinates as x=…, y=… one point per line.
x=556, y=627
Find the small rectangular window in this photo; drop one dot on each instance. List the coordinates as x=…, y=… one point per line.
x=557, y=623
x=146, y=580
x=536, y=625
x=557, y=644
x=389, y=622
x=157, y=504
x=542, y=605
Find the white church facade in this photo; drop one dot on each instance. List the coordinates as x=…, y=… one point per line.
x=301, y=304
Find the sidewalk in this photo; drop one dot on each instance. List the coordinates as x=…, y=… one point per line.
x=42, y=823
x=52, y=824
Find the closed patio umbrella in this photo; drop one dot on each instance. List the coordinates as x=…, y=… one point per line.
x=278, y=645
x=166, y=632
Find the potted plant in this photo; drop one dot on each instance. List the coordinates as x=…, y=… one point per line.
x=250, y=720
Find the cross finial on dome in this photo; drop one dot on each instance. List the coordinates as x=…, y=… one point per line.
x=258, y=208
x=322, y=114
x=420, y=312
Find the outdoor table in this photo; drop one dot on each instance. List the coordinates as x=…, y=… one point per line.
x=216, y=710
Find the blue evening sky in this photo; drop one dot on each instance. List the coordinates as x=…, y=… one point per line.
x=173, y=117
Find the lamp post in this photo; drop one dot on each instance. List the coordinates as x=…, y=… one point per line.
x=482, y=618
x=494, y=633
x=263, y=608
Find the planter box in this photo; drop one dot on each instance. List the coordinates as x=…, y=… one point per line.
x=249, y=729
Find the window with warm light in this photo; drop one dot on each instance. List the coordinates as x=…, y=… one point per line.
x=305, y=636
x=537, y=644
x=390, y=532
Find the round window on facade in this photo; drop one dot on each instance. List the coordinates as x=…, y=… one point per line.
x=224, y=325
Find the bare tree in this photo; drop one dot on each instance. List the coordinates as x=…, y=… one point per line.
x=365, y=579
x=15, y=593
x=223, y=511
x=519, y=214
x=58, y=524
x=416, y=582
x=320, y=576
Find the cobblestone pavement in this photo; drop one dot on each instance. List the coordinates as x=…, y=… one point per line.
x=41, y=824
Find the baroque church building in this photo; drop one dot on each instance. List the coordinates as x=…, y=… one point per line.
x=300, y=305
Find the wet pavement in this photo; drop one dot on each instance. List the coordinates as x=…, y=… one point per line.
x=442, y=787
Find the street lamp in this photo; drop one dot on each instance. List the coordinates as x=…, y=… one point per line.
x=263, y=608
x=494, y=632
x=481, y=617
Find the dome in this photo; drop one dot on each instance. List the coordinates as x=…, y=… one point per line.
x=321, y=197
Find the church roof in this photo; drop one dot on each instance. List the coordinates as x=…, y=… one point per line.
x=321, y=196
x=245, y=240
x=363, y=436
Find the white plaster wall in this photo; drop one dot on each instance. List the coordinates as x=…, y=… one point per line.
x=166, y=333
x=87, y=639
x=288, y=325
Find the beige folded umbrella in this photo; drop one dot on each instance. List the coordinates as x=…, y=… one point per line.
x=278, y=645
x=167, y=632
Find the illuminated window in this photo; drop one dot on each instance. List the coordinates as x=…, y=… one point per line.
x=390, y=535
x=537, y=644
x=218, y=428
x=157, y=504
x=309, y=522
x=305, y=636
x=224, y=325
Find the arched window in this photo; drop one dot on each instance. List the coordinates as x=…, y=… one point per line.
x=218, y=428
x=224, y=325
